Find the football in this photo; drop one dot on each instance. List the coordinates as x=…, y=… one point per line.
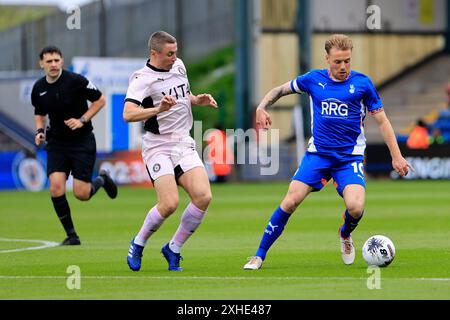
x=378, y=251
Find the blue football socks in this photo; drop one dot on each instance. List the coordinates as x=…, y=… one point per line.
x=349, y=225
x=273, y=230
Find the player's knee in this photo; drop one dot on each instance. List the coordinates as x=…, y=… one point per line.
x=57, y=190
x=202, y=200
x=81, y=195
x=168, y=206
x=289, y=204
x=355, y=209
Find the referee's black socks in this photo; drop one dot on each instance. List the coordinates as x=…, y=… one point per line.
x=63, y=211
x=96, y=184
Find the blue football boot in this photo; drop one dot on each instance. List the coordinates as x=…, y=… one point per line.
x=134, y=256
x=172, y=258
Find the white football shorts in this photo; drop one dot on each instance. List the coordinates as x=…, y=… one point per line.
x=169, y=155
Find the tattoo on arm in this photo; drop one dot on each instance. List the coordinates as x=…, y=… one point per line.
x=274, y=95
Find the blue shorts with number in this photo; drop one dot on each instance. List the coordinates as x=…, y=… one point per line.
x=317, y=169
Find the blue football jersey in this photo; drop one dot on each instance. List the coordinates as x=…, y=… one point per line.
x=338, y=109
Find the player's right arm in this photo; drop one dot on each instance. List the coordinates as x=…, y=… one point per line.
x=133, y=112
x=136, y=93
x=40, y=117
x=263, y=119
x=40, y=129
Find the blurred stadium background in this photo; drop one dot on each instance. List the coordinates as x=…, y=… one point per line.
x=237, y=50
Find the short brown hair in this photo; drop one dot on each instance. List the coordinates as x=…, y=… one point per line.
x=158, y=39
x=338, y=41
x=49, y=49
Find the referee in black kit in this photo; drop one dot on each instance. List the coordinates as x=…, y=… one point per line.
x=71, y=146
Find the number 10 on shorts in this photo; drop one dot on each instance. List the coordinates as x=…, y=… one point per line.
x=358, y=167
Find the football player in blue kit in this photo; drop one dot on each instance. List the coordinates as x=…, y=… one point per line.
x=340, y=99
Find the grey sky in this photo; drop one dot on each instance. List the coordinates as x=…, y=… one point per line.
x=62, y=4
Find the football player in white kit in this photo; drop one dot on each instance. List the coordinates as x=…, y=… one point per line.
x=159, y=95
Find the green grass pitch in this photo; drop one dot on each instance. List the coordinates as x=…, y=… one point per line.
x=304, y=263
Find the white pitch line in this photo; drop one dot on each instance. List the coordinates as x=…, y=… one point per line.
x=45, y=244
x=216, y=278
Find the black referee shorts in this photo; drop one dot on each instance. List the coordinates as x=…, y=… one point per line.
x=76, y=157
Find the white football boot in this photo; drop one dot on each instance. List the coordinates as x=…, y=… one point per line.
x=347, y=250
x=254, y=263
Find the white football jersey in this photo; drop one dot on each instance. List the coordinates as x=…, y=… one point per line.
x=149, y=85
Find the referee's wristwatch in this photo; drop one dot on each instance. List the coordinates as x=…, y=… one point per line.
x=39, y=131
x=83, y=120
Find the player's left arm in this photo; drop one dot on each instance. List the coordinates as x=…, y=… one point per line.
x=203, y=99
x=400, y=165
x=94, y=108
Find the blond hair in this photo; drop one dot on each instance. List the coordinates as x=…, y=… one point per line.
x=338, y=41
x=158, y=39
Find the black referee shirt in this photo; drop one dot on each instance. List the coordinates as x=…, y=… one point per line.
x=64, y=99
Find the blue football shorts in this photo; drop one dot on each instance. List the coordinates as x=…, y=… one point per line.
x=316, y=170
